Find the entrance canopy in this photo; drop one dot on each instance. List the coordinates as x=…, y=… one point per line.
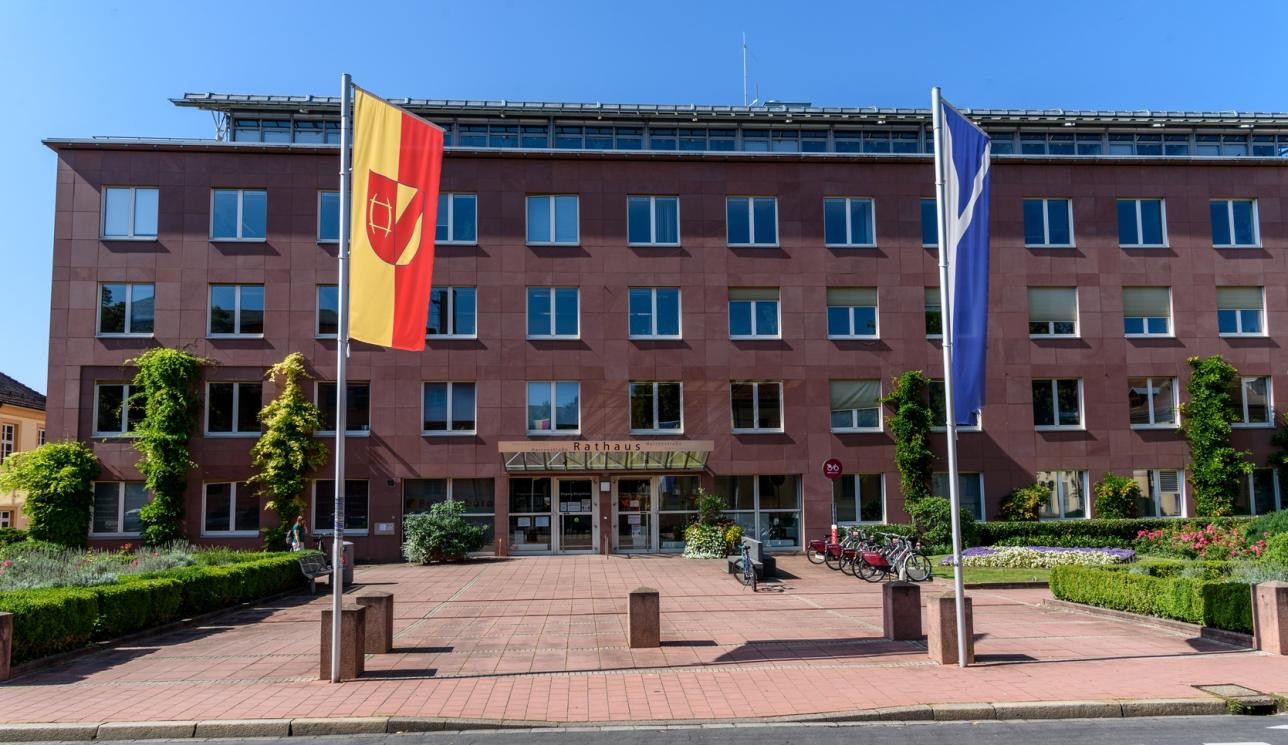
x=606, y=455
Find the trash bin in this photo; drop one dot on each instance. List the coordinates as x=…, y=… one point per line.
x=348, y=562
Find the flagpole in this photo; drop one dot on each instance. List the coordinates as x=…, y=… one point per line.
x=341, y=360
x=946, y=304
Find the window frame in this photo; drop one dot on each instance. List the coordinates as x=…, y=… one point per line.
x=849, y=203
x=1046, y=223
x=1050, y=333
x=131, y=235
x=1055, y=403
x=120, y=511
x=450, y=291
x=233, y=532
x=876, y=316
x=1147, y=334
x=1244, y=422
x=449, y=431
x=125, y=411
x=322, y=193
x=313, y=503
x=657, y=406
x=237, y=310
x=921, y=206
x=753, y=336
x=317, y=386
x=652, y=220
x=241, y=198
x=1176, y=403
x=983, y=495
x=751, y=223
x=1154, y=491
x=554, y=304
x=1261, y=312
x=129, y=307
x=317, y=312
x=236, y=409
x=857, y=497
x=1230, y=223
x=854, y=413
x=8, y=439
x=653, y=315
x=554, y=430
x=978, y=426
x=755, y=408
x=1088, y=498
x=551, y=200
x=1140, y=222
x=940, y=312
x=451, y=219
x=1249, y=481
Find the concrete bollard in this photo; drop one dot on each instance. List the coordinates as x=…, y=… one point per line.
x=1269, y=617
x=352, y=635
x=941, y=637
x=6, y=644
x=901, y=611
x=379, y=620
x=644, y=618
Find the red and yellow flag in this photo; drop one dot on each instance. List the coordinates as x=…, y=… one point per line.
x=397, y=158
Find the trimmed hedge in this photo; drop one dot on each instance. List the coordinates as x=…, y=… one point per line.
x=1089, y=533
x=134, y=605
x=1216, y=603
x=50, y=620
x=207, y=588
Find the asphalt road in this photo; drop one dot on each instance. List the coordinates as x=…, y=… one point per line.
x=1222, y=730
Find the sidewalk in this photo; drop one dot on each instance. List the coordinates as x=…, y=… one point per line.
x=543, y=639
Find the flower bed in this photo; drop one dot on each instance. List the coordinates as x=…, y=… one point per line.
x=1213, y=541
x=1041, y=557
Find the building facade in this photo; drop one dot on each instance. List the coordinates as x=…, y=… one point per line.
x=634, y=302
x=22, y=427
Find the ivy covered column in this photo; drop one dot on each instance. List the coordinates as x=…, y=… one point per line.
x=165, y=385
x=910, y=423
x=1216, y=468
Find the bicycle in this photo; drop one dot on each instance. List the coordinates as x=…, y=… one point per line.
x=745, y=570
x=900, y=557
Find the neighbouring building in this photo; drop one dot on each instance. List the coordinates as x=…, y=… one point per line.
x=633, y=302
x=22, y=427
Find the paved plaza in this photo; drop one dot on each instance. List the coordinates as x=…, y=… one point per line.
x=544, y=639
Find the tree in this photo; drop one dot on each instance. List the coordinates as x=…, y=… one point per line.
x=1216, y=468
x=287, y=453
x=166, y=387
x=58, y=478
x=910, y=424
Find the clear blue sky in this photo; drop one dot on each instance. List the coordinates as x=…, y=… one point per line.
x=78, y=69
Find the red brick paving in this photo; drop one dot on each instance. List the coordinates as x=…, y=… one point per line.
x=544, y=639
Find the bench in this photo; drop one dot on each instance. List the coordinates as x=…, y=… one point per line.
x=763, y=564
x=314, y=566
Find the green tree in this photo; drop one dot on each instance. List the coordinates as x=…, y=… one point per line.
x=1216, y=468
x=287, y=453
x=166, y=384
x=58, y=479
x=1117, y=497
x=910, y=424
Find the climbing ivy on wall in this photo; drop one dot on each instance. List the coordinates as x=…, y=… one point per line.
x=165, y=387
x=910, y=423
x=1216, y=468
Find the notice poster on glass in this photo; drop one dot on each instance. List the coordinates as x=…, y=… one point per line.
x=543, y=522
x=632, y=519
x=585, y=505
x=524, y=521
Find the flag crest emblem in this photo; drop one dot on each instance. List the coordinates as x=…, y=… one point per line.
x=395, y=218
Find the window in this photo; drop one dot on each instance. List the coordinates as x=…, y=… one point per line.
x=751, y=221
x=1255, y=408
x=656, y=407
x=453, y=311
x=653, y=221
x=753, y=312
x=1147, y=311
x=355, y=506
x=856, y=405
x=757, y=406
x=1258, y=493
x=1239, y=311
x=478, y=496
x=858, y=498
x=236, y=310
x=553, y=219
x=240, y=215
x=552, y=312
x=40, y=436
x=529, y=514
x=229, y=508
x=328, y=216
x=233, y=408
x=1057, y=403
x=116, y=508
x=115, y=411
x=554, y=407
x=934, y=314
x=1053, y=311
x=130, y=213
x=970, y=490
x=448, y=407
x=1048, y=222
x=1142, y=222
x=1066, y=495
x=1160, y=492
x=929, y=222
x=1153, y=402
x=357, y=412
x=457, y=220
x=6, y=518
x=654, y=313
x=328, y=317
x=939, y=410
x=767, y=507
x=8, y=435
x=126, y=308
x=1234, y=223
x=677, y=508
x=852, y=312
x=849, y=222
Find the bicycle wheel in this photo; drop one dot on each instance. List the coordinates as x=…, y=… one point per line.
x=918, y=568
x=866, y=572
x=833, y=562
x=740, y=571
x=815, y=557
x=848, y=564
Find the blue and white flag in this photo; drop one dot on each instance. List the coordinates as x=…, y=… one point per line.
x=965, y=158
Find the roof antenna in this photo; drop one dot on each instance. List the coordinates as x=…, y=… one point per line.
x=744, y=68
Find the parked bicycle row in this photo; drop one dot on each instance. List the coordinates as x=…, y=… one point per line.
x=871, y=555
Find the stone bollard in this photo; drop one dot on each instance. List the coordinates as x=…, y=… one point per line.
x=379, y=620
x=644, y=618
x=901, y=611
x=1269, y=617
x=941, y=637
x=6, y=644
x=352, y=634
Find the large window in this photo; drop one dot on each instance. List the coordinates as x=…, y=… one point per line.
x=1239, y=311
x=1147, y=311
x=328, y=315
x=238, y=215
x=130, y=213
x=236, y=310
x=1053, y=311
x=858, y=498
x=939, y=410
x=1254, y=402
x=753, y=313
x=116, y=508
x=653, y=221
x=477, y=495
x=554, y=407
x=1057, y=404
x=8, y=438
x=1235, y=223
x=1142, y=223
x=356, y=509
x=757, y=406
x=929, y=222
x=849, y=222
x=1258, y=493
x=1153, y=402
x=656, y=407
x=229, y=509
x=449, y=408
x=654, y=313
x=126, y=308
x=852, y=312
x=453, y=312
x=970, y=490
x=553, y=220
x=357, y=413
x=457, y=218
x=233, y=408
x=1066, y=494
x=1160, y=492
x=678, y=506
x=1048, y=222
x=752, y=221
x=553, y=313
x=115, y=411
x=529, y=515
x=767, y=507
x=328, y=216
x=856, y=405
x=934, y=314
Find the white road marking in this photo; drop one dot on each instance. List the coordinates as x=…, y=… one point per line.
x=1279, y=726
x=1236, y=743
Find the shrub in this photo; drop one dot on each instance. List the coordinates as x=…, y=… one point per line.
x=1276, y=549
x=50, y=620
x=58, y=478
x=1188, y=541
x=733, y=536
x=710, y=508
x=136, y=605
x=1090, y=533
x=1220, y=604
x=1023, y=504
x=1269, y=524
x=11, y=535
x=703, y=541
x=932, y=519
x=444, y=533
x=208, y=588
x=1117, y=497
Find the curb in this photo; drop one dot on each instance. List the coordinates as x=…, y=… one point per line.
x=1222, y=636
x=316, y=726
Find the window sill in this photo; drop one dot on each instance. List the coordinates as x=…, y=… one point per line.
x=658, y=432
x=553, y=433
x=849, y=245
x=655, y=338
x=113, y=436
x=853, y=338
x=1053, y=519
x=456, y=243
x=233, y=435
x=653, y=245
x=757, y=431
x=545, y=244
x=1059, y=428
x=349, y=433
x=129, y=238
x=214, y=239
x=857, y=431
x=1236, y=245
x=1054, y=336
x=757, y=337
x=1149, y=336
x=1144, y=245
x=230, y=534
x=754, y=245
x=1243, y=336
x=328, y=241
x=1156, y=427
x=1050, y=245
x=114, y=535
x=572, y=337
x=449, y=433
x=234, y=336
x=1252, y=425
x=935, y=337
x=464, y=337
x=960, y=429
x=326, y=336
x=105, y=335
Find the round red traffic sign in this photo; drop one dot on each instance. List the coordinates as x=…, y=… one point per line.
x=831, y=468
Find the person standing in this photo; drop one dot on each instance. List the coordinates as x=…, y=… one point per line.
x=296, y=535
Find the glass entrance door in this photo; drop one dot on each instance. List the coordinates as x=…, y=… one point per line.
x=576, y=515
x=634, y=508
